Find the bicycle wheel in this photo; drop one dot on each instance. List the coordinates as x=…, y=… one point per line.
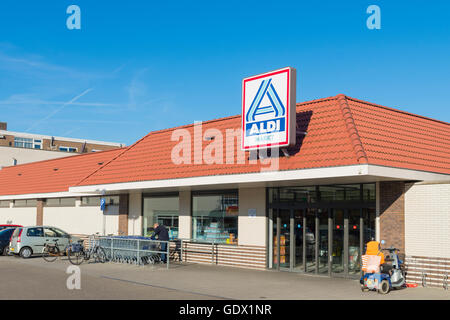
x=100, y=255
x=76, y=257
x=50, y=253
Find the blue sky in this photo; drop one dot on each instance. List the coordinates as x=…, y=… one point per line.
x=137, y=66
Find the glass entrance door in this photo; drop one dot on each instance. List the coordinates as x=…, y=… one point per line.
x=320, y=240
x=322, y=237
x=310, y=241
x=281, y=238
x=299, y=216
x=355, y=243
x=337, y=253
x=285, y=238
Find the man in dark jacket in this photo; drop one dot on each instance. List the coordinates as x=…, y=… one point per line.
x=163, y=235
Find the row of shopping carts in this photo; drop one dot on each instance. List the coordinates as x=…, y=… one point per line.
x=135, y=250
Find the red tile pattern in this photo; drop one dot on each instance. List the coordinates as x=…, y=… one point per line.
x=326, y=144
x=399, y=139
x=55, y=175
x=340, y=131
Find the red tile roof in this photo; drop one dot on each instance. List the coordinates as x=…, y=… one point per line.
x=340, y=131
x=55, y=175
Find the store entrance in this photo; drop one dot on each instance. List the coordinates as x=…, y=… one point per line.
x=326, y=241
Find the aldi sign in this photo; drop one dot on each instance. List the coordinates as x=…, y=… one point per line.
x=268, y=110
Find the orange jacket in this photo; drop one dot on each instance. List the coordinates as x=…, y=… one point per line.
x=373, y=248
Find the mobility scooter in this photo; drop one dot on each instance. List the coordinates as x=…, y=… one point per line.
x=384, y=277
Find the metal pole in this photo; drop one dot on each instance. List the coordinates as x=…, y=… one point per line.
x=168, y=251
x=181, y=251
x=138, y=253
x=112, y=250
x=212, y=252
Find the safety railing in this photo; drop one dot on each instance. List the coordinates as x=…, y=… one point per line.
x=210, y=248
x=135, y=249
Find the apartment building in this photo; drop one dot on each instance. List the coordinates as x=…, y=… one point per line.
x=20, y=147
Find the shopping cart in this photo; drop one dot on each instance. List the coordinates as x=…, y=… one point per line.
x=136, y=250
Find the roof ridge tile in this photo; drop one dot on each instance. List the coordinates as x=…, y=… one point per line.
x=358, y=147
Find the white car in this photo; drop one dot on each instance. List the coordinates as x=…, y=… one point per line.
x=27, y=241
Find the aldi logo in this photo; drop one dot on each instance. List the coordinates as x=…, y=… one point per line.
x=268, y=109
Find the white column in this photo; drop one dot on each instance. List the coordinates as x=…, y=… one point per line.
x=185, y=218
x=377, y=210
x=252, y=221
x=135, y=214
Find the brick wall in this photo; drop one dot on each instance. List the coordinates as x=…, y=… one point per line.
x=40, y=213
x=123, y=214
x=392, y=214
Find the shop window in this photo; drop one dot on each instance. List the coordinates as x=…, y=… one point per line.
x=215, y=217
x=95, y=201
x=350, y=192
x=4, y=204
x=163, y=210
x=25, y=203
x=369, y=193
x=60, y=202
x=297, y=194
x=90, y=201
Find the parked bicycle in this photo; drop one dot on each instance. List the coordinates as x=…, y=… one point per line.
x=77, y=253
x=51, y=251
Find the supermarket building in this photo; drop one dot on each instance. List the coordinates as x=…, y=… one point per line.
x=357, y=171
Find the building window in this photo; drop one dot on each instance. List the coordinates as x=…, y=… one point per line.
x=161, y=209
x=369, y=192
x=37, y=144
x=25, y=203
x=95, y=201
x=215, y=217
x=60, y=202
x=28, y=143
x=327, y=193
x=68, y=149
x=23, y=142
x=4, y=204
x=350, y=192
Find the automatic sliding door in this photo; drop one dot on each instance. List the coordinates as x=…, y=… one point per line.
x=310, y=241
x=281, y=238
x=323, y=240
x=354, y=237
x=285, y=238
x=298, y=227
x=337, y=253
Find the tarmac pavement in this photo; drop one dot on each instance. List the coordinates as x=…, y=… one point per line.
x=35, y=278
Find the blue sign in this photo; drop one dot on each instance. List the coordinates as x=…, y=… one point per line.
x=102, y=204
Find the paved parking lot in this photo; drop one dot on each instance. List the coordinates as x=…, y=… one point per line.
x=36, y=279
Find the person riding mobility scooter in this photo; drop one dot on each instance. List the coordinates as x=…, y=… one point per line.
x=378, y=275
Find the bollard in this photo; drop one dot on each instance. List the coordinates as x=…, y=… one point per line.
x=424, y=279
x=181, y=251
